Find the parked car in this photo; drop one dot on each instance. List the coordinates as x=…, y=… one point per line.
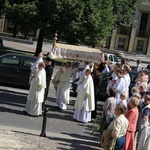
x=15, y=69
x=1, y=43
x=112, y=58
x=105, y=76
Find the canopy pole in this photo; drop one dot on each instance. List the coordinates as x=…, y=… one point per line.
x=101, y=47
x=54, y=42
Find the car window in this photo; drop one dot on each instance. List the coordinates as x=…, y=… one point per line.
x=27, y=61
x=115, y=59
x=10, y=60
x=110, y=58
x=133, y=76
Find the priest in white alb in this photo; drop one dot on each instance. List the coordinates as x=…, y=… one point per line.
x=34, y=66
x=36, y=93
x=63, y=87
x=85, y=102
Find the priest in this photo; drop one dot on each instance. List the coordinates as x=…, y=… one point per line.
x=85, y=102
x=63, y=87
x=36, y=93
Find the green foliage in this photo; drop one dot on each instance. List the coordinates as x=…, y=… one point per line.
x=100, y=125
x=125, y=10
x=2, y=4
x=77, y=21
x=23, y=15
x=80, y=21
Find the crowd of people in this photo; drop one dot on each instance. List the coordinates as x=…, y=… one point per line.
x=127, y=116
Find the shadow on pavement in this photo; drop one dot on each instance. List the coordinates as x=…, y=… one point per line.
x=75, y=144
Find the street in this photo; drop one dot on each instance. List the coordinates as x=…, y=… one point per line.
x=59, y=123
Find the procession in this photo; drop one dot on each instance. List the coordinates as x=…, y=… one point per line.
x=126, y=112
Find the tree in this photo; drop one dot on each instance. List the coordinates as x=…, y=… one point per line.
x=125, y=10
x=80, y=21
x=22, y=14
x=2, y=5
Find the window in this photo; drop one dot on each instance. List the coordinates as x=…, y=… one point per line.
x=10, y=60
x=27, y=62
x=115, y=59
x=110, y=58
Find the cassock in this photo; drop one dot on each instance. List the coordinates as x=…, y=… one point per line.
x=97, y=83
x=63, y=89
x=36, y=94
x=119, y=87
x=85, y=102
x=49, y=72
x=144, y=142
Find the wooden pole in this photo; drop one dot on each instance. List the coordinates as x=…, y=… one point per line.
x=54, y=42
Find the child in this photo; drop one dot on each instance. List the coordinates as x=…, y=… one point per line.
x=123, y=98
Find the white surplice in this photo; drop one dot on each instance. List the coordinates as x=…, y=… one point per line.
x=127, y=83
x=85, y=102
x=34, y=68
x=119, y=87
x=36, y=94
x=63, y=89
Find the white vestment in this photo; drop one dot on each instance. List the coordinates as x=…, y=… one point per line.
x=127, y=81
x=34, y=68
x=85, y=102
x=63, y=89
x=119, y=87
x=36, y=94
x=144, y=142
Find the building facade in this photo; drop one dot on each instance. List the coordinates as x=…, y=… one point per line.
x=138, y=38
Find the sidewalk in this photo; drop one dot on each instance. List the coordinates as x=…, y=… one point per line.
x=30, y=140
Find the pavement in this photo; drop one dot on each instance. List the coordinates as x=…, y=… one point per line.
x=19, y=131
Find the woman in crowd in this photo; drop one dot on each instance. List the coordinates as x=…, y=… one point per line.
x=116, y=131
x=142, y=79
x=109, y=106
x=132, y=116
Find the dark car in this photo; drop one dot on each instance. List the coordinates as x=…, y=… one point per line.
x=1, y=43
x=103, y=95
x=15, y=69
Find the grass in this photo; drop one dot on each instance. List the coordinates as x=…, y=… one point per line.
x=6, y=50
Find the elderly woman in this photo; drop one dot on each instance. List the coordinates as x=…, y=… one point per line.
x=109, y=106
x=116, y=131
x=132, y=116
